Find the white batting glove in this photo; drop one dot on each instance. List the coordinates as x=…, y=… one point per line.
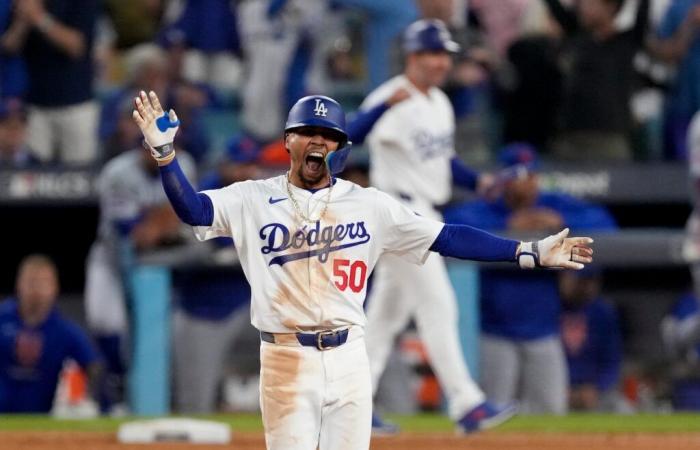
x=556, y=251
x=158, y=127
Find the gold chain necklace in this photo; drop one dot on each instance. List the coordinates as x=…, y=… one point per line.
x=298, y=210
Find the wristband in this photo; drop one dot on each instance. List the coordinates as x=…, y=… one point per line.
x=528, y=255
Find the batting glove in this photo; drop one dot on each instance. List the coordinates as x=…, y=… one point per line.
x=556, y=251
x=158, y=127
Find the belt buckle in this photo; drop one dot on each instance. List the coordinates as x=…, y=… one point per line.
x=319, y=339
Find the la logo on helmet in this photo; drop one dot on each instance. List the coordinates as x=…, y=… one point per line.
x=320, y=109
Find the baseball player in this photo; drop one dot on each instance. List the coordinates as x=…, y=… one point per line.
x=307, y=242
x=412, y=158
x=133, y=212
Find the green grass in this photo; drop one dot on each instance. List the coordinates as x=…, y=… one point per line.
x=581, y=423
x=239, y=422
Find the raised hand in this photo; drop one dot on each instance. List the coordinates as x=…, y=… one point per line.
x=556, y=251
x=158, y=127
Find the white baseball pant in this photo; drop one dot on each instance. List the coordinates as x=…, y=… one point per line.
x=311, y=398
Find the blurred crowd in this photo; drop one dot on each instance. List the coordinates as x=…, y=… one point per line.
x=599, y=80
x=596, y=81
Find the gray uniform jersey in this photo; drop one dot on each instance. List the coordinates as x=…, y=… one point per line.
x=126, y=191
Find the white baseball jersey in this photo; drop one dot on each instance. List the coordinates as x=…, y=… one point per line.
x=412, y=143
x=313, y=276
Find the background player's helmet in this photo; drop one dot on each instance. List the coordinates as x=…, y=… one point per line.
x=428, y=35
x=322, y=111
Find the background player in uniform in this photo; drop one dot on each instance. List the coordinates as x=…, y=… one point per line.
x=412, y=157
x=134, y=213
x=307, y=243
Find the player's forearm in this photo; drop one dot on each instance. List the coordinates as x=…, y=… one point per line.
x=465, y=242
x=191, y=207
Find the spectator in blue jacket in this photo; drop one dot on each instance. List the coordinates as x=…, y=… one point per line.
x=36, y=340
x=590, y=331
x=522, y=358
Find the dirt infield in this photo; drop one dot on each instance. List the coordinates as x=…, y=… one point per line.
x=65, y=440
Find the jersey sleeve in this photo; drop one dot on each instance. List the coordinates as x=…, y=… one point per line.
x=228, y=211
x=405, y=232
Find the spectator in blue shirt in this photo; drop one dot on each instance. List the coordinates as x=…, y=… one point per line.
x=35, y=341
x=590, y=331
x=521, y=354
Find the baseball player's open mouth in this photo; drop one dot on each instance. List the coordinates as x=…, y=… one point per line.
x=314, y=161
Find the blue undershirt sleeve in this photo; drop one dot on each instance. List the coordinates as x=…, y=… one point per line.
x=193, y=208
x=462, y=175
x=466, y=242
x=362, y=122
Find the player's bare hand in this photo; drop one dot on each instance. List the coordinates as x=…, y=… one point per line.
x=157, y=126
x=556, y=251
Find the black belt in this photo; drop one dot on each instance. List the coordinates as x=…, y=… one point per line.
x=323, y=340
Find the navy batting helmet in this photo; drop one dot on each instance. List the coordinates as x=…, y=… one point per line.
x=428, y=35
x=324, y=112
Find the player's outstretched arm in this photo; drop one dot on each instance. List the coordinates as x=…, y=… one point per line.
x=556, y=251
x=159, y=128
